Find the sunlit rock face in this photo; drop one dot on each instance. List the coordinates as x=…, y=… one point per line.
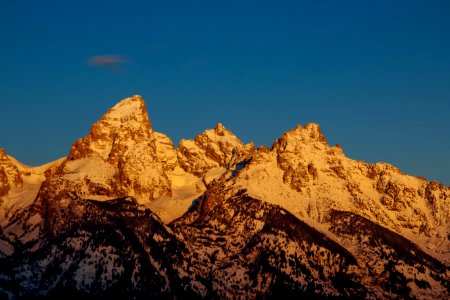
x=9, y=174
x=120, y=156
x=128, y=215
x=214, y=148
x=304, y=174
x=166, y=153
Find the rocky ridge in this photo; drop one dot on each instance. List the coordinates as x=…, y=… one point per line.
x=302, y=173
x=214, y=148
x=299, y=218
x=123, y=145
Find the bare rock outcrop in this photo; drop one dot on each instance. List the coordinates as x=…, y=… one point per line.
x=323, y=179
x=121, y=156
x=9, y=174
x=214, y=148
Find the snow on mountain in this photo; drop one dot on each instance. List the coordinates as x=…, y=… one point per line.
x=127, y=211
x=308, y=177
x=214, y=148
x=241, y=240
x=123, y=156
x=22, y=195
x=194, y=165
x=24, y=184
x=9, y=174
x=108, y=249
x=123, y=145
x=250, y=249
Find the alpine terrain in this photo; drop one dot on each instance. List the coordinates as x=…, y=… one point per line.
x=127, y=215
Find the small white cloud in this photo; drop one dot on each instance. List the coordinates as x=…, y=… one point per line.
x=112, y=62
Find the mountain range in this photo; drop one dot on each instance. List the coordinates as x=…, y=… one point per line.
x=128, y=215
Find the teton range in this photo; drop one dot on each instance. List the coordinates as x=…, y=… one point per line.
x=127, y=215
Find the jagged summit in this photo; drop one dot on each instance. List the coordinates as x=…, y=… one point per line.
x=123, y=126
x=310, y=178
x=127, y=210
x=309, y=134
x=219, y=129
x=213, y=148
x=132, y=106
x=118, y=157
x=123, y=156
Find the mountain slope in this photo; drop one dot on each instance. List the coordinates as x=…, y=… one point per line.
x=249, y=248
x=118, y=157
x=310, y=178
x=9, y=174
x=111, y=248
x=127, y=213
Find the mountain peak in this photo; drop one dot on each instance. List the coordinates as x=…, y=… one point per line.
x=310, y=133
x=330, y=225
x=124, y=124
x=211, y=149
x=123, y=142
x=128, y=107
x=129, y=113
x=219, y=129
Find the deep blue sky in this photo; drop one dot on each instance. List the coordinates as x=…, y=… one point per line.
x=374, y=74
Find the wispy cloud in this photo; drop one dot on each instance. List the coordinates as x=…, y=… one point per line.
x=111, y=62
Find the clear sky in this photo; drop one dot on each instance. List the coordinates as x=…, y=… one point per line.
x=374, y=74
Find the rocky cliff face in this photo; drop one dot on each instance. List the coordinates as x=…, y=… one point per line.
x=123, y=156
x=119, y=157
x=241, y=247
x=9, y=174
x=310, y=178
x=127, y=213
x=214, y=148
